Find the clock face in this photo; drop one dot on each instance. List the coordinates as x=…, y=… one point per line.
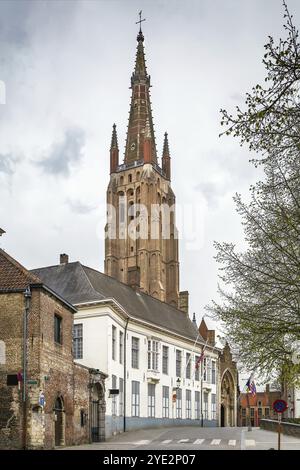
x=132, y=147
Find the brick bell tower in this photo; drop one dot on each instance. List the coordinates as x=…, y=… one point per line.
x=148, y=262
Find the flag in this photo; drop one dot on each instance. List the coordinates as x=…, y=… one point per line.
x=251, y=386
x=200, y=359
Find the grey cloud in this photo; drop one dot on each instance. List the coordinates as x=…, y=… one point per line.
x=65, y=153
x=80, y=207
x=7, y=162
x=211, y=191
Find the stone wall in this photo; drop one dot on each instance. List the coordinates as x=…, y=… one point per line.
x=290, y=429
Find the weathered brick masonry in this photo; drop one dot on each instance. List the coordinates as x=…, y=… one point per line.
x=51, y=371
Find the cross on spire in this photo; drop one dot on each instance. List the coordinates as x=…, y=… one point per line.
x=140, y=20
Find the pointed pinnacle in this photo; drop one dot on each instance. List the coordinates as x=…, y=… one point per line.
x=166, y=151
x=114, y=138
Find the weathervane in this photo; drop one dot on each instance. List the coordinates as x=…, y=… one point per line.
x=140, y=20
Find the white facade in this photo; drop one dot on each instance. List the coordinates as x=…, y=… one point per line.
x=103, y=325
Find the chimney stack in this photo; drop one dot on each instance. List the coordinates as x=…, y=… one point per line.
x=184, y=301
x=64, y=259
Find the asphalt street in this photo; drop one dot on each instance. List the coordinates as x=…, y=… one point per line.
x=195, y=438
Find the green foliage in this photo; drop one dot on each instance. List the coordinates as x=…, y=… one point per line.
x=261, y=287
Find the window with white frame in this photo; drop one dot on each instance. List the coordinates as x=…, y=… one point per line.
x=152, y=354
x=114, y=397
x=121, y=347
x=113, y=342
x=78, y=341
x=121, y=397
x=178, y=363
x=135, y=398
x=213, y=372
x=205, y=407
x=188, y=366
x=151, y=400
x=213, y=406
x=208, y=369
x=178, y=403
x=188, y=402
x=135, y=353
x=166, y=401
x=165, y=360
x=197, y=405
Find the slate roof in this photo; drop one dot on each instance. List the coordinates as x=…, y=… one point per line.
x=79, y=284
x=13, y=275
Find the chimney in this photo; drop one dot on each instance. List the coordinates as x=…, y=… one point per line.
x=267, y=388
x=184, y=301
x=64, y=259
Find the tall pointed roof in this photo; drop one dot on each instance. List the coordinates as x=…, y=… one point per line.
x=114, y=138
x=140, y=109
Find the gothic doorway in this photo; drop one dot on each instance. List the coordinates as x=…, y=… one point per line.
x=59, y=426
x=228, y=400
x=97, y=413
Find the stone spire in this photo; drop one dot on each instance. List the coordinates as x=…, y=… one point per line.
x=166, y=160
x=114, y=151
x=140, y=109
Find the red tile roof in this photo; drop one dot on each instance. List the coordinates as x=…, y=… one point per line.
x=13, y=275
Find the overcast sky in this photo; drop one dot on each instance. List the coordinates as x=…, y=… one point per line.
x=67, y=67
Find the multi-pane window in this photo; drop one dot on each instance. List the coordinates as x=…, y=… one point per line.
x=78, y=341
x=114, y=398
x=205, y=369
x=151, y=400
x=267, y=412
x=113, y=342
x=188, y=366
x=165, y=360
x=152, y=355
x=259, y=412
x=178, y=363
x=188, y=402
x=213, y=406
x=197, y=367
x=197, y=405
x=57, y=329
x=121, y=347
x=205, y=407
x=165, y=403
x=135, y=398
x=178, y=403
x=213, y=372
x=121, y=397
x=135, y=353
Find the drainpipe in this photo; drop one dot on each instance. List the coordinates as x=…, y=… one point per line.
x=125, y=373
x=27, y=299
x=201, y=397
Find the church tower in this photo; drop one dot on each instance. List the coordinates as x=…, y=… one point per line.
x=141, y=246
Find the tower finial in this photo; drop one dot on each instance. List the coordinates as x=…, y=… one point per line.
x=140, y=36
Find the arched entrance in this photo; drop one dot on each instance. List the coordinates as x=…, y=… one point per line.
x=228, y=400
x=59, y=426
x=97, y=413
